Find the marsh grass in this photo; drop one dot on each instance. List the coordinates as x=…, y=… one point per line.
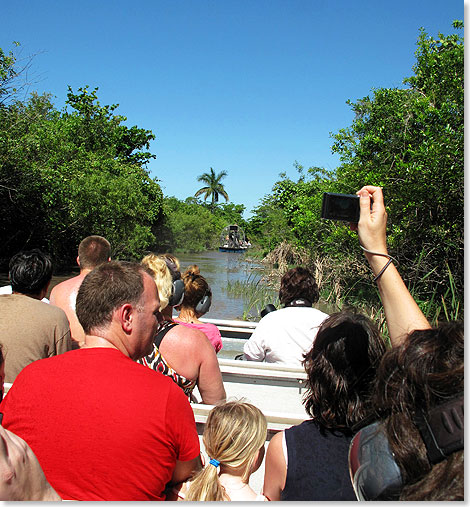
x=256, y=295
x=361, y=294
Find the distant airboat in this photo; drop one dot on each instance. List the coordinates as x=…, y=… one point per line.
x=232, y=239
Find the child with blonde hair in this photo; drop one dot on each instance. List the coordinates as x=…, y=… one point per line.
x=234, y=439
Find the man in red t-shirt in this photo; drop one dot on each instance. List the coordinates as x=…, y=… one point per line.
x=102, y=426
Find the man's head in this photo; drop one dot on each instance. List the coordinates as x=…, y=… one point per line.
x=93, y=251
x=121, y=293
x=298, y=283
x=30, y=272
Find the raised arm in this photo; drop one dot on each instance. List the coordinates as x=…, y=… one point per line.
x=401, y=311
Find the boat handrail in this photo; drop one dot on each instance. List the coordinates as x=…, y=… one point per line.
x=231, y=323
x=277, y=421
x=282, y=369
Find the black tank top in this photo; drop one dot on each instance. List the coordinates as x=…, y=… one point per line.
x=317, y=467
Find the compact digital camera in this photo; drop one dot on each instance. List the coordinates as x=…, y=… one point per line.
x=340, y=207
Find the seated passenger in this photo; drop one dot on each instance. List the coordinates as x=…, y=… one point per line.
x=29, y=329
x=92, y=251
x=285, y=335
x=182, y=353
x=196, y=302
x=414, y=450
x=309, y=462
x=234, y=439
x=103, y=426
x=420, y=422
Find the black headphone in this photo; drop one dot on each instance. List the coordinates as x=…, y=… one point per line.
x=375, y=475
x=177, y=293
x=204, y=304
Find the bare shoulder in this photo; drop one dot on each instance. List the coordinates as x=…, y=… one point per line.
x=63, y=289
x=275, y=469
x=189, y=336
x=275, y=444
x=69, y=284
x=191, y=342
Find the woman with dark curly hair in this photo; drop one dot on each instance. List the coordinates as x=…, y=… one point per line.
x=285, y=335
x=310, y=461
x=341, y=369
x=419, y=402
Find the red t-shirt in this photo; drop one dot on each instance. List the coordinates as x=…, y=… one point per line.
x=102, y=426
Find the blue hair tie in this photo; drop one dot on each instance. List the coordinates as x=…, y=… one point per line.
x=214, y=462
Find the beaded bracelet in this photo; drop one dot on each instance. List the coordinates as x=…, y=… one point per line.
x=389, y=257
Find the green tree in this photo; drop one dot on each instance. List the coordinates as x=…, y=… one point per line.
x=410, y=142
x=213, y=187
x=187, y=227
x=65, y=175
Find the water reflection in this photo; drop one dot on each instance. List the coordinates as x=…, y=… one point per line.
x=220, y=269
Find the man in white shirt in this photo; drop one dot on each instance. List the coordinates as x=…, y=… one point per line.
x=285, y=335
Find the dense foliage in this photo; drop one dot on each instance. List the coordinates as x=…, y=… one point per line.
x=409, y=141
x=193, y=226
x=67, y=174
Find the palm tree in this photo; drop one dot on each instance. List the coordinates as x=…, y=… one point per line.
x=213, y=186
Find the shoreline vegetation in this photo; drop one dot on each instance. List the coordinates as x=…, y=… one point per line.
x=333, y=296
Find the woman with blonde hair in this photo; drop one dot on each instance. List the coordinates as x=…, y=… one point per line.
x=196, y=302
x=234, y=439
x=183, y=354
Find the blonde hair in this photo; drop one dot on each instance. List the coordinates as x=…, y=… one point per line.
x=234, y=433
x=162, y=277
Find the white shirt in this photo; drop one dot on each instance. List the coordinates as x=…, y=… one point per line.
x=6, y=289
x=284, y=336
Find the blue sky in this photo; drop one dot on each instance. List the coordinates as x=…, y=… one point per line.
x=245, y=86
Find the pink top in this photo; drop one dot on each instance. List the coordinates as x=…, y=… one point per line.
x=210, y=330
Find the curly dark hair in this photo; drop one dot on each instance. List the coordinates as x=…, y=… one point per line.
x=341, y=368
x=425, y=371
x=298, y=282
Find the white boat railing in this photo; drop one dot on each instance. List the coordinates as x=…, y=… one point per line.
x=277, y=421
x=233, y=328
x=256, y=373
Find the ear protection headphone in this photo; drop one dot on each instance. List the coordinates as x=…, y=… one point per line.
x=375, y=475
x=204, y=304
x=177, y=293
